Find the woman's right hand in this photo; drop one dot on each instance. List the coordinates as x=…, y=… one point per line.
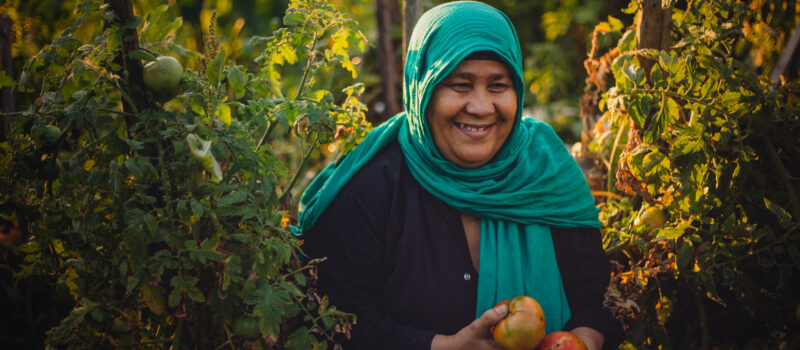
x=476, y=335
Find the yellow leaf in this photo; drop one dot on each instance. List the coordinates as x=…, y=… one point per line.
x=224, y=114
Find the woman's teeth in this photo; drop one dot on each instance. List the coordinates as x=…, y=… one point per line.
x=470, y=127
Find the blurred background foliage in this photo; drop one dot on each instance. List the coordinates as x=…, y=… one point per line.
x=554, y=36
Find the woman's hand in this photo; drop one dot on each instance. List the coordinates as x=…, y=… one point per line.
x=476, y=335
x=592, y=338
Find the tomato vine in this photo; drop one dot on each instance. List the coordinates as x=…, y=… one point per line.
x=164, y=222
x=711, y=142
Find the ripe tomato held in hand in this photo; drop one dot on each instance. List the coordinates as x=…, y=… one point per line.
x=523, y=327
x=562, y=340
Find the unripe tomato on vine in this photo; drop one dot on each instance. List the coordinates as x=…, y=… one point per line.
x=652, y=218
x=163, y=77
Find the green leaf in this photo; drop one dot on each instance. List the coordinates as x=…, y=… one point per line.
x=232, y=198
x=141, y=55
x=685, y=255
x=245, y=212
x=237, y=81
x=301, y=339
x=666, y=115
x=615, y=24
x=195, y=294
x=669, y=232
x=134, y=168
x=638, y=109
x=293, y=18
x=627, y=42
x=215, y=68
x=197, y=208
x=283, y=119
x=67, y=43
x=174, y=297
x=64, y=329
x=271, y=300
x=5, y=80
x=784, y=218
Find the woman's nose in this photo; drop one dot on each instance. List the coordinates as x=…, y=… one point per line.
x=480, y=104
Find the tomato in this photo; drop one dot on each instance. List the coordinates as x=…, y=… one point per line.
x=562, y=340
x=246, y=327
x=50, y=133
x=163, y=77
x=523, y=327
x=652, y=217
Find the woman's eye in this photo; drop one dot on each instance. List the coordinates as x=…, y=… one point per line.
x=460, y=86
x=499, y=87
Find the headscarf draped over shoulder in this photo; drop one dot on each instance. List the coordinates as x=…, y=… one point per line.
x=531, y=184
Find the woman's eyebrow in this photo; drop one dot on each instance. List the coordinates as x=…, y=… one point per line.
x=467, y=75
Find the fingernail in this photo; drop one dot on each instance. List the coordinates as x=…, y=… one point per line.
x=501, y=310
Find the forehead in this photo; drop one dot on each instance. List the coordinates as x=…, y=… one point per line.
x=480, y=68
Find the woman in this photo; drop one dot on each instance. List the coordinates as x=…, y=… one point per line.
x=458, y=203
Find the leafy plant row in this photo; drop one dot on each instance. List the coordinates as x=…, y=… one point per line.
x=167, y=225
x=699, y=157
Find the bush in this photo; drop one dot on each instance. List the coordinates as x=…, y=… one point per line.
x=167, y=224
x=708, y=140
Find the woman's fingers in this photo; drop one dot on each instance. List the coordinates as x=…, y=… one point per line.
x=474, y=336
x=490, y=318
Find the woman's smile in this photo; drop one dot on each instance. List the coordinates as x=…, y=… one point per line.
x=474, y=131
x=472, y=111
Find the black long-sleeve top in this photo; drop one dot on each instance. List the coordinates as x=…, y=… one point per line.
x=397, y=257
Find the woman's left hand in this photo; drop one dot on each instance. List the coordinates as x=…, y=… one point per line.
x=592, y=338
x=476, y=335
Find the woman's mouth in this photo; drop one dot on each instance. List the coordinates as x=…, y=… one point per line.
x=474, y=131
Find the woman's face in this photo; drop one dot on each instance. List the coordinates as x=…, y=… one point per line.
x=472, y=112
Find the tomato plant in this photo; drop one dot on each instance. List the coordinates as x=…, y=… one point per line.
x=523, y=327
x=160, y=225
x=698, y=146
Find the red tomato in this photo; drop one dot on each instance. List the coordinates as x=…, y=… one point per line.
x=523, y=327
x=561, y=340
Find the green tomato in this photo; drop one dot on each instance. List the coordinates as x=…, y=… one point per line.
x=652, y=217
x=50, y=133
x=163, y=77
x=246, y=327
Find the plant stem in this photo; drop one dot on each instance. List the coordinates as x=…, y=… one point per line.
x=607, y=194
x=299, y=170
x=266, y=134
x=612, y=165
x=706, y=336
x=787, y=180
x=301, y=87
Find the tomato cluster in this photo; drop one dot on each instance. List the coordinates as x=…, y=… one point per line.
x=523, y=329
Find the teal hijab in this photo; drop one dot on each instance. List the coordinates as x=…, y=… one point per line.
x=531, y=184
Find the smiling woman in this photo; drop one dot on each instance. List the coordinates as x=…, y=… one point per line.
x=457, y=204
x=472, y=111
